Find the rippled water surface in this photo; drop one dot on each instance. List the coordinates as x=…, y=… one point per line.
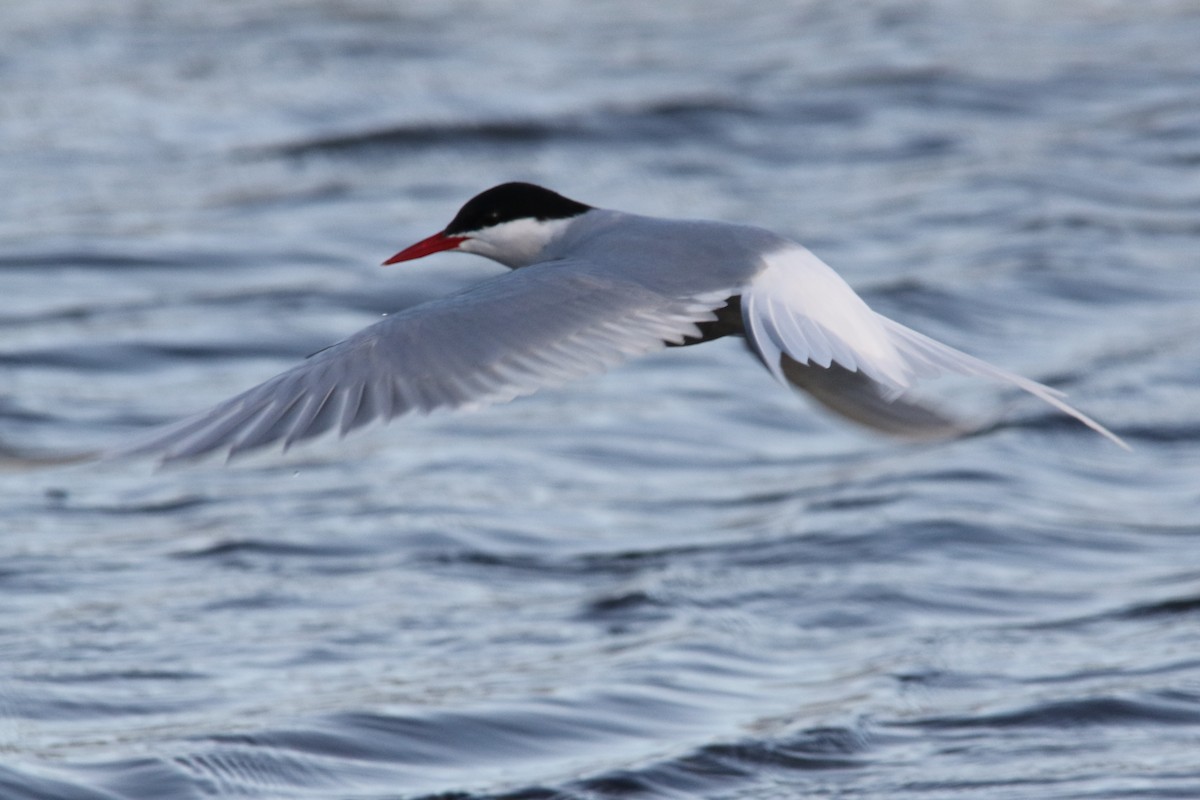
x=677, y=580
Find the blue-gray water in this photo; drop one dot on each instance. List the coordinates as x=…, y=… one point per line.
x=677, y=580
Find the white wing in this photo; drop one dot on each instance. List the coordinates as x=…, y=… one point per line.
x=509, y=336
x=799, y=308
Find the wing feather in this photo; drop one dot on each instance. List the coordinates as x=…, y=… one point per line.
x=799, y=310
x=535, y=327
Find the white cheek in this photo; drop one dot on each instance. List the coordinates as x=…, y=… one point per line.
x=514, y=243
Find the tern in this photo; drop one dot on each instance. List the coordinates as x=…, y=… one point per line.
x=587, y=289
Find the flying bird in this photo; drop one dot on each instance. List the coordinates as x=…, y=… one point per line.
x=587, y=289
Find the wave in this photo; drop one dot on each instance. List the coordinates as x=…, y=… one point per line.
x=650, y=120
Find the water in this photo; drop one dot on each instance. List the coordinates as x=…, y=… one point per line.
x=677, y=580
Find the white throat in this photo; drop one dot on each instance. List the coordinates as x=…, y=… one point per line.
x=518, y=243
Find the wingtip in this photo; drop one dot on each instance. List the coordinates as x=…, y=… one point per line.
x=1105, y=432
x=1070, y=410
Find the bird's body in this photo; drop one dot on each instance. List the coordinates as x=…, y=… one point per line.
x=588, y=289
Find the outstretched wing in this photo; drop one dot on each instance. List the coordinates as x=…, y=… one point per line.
x=509, y=336
x=798, y=308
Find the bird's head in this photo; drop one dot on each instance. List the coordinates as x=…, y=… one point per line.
x=511, y=223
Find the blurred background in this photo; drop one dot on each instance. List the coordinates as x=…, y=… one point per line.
x=677, y=580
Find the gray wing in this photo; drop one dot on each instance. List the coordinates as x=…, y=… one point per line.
x=856, y=397
x=509, y=336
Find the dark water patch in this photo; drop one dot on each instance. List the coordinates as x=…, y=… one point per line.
x=19, y=459
x=142, y=356
x=625, y=612
x=977, y=476
x=116, y=676
x=1183, y=667
x=752, y=574
x=33, y=575
x=620, y=603
x=62, y=706
x=1187, y=158
x=258, y=601
x=622, y=563
x=428, y=135
x=1161, y=708
x=11, y=410
x=534, y=730
x=935, y=535
x=1027, y=787
x=80, y=312
x=167, y=506
x=855, y=502
x=678, y=116
x=893, y=543
x=168, y=260
x=1163, y=608
x=240, y=551
x=718, y=768
x=832, y=111
x=945, y=679
x=1173, y=607
x=750, y=500
x=46, y=262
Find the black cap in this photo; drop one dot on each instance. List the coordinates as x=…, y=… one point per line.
x=511, y=201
